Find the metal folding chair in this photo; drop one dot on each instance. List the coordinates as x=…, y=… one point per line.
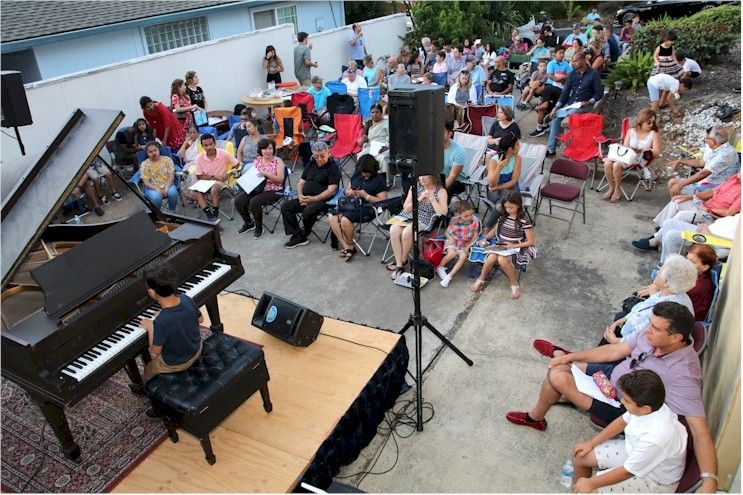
x=563, y=192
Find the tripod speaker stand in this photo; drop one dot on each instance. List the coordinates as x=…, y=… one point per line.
x=416, y=145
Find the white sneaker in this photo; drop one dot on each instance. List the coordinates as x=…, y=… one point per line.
x=441, y=271
x=445, y=281
x=287, y=140
x=647, y=175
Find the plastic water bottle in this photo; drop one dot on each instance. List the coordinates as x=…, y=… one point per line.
x=566, y=477
x=77, y=219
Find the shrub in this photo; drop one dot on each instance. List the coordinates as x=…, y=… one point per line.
x=633, y=71
x=704, y=37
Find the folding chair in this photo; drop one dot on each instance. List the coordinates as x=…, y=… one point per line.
x=286, y=193
x=440, y=78
x=582, y=138
x=378, y=222
x=331, y=203
x=691, y=479
x=642, y=173
x=432, y=230
x=135, y=182
x=500, y=100
x=339, y=104
x=348, y=132
x=477, y=256
x=289, y=125
x=367, y=98
x=562, y=192
x=306, y=103
x=475, y=165
x=473, y=115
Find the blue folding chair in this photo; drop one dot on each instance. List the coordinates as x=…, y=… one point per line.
x=164, y=151
x=439, y=78
x=501, y=101
x=367, y=98
x=136, y=181
x=231, y=120
x=477, y=257
x=208, y=129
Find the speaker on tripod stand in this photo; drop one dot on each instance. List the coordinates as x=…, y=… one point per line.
x=417, y=148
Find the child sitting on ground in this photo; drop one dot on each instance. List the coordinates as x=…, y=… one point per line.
x=460, y=234
x=515, y=240
x=174, y=337
x=650, y=459
x=539, y=75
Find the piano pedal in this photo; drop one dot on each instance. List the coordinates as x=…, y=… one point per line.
x=137, y=389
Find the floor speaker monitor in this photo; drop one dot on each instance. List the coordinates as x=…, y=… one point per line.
x=417, y=128
x=287, y=320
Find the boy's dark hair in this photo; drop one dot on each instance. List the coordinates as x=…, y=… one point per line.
x=207, y=136
x=449, y=125
x=644, y=387
x=162, y=279
x=680, y=320
x=301, y=36
x=686, y=81
x=144, y=101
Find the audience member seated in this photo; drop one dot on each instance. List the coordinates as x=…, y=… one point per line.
x=503, y=173
x=95, y=173
x=158, y=177
x=239, y=129
x=428, y=79
x=644, y=139
x=143, y=134
x=664, y=347
x=576, y=34
x=399, y=78
x=461, y=232
x=353, y=67
x=651, y=458
x=320, y=95
x=539, y=53
x=626, y=34
x=167, y=127
x=377, y=135
x=675, y=278
x=478, y=76
x=319, y=183
x=454, y=161
x=577, y=46
x=432, y=201
x=212, y=164
x=85, y=185
x=251, y=204
x=125, y=149
x=189, y=153
x=372, y=74
x=440, y=66
x=513, y=231
x=353, y=83
x=704, y=206
x=455, y=63
x=584, y=88
x=548, y=37
x=613, y=41
x=461, y=94
x=518, y=47
x=367, y=186
x=248, y=151
x=691, y=68
x=501, y=79
x=538, y=76
x=719, y=161
x=414, y=67
x=548, y=95
x=665, y=57
x=559, y=68
x=505, y=125
x=467, y=47
x=664, y=89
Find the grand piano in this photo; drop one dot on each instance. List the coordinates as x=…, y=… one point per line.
x=73, y=294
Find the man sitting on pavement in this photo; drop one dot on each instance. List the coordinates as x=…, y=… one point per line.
x=318, y=184
x=719, y=161
x=95, y=173
x=212, y=164
x=664, y=347
x=704, y=206
x=501, y=79
x=582, y=89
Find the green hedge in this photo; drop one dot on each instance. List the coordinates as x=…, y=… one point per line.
x=704, y=37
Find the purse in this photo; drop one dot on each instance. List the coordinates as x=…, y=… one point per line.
x=631, y=301
x=433, y=251
x=348, y=204
x=622, y=154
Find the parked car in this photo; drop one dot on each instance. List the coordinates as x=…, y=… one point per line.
x=529, y=31
x=653, y=9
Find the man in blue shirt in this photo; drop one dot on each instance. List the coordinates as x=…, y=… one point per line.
x=358, y=45
x=454, y=159
x=575, y=34
x=582, y=89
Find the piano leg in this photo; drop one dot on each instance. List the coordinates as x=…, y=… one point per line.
x=57, y=419
x=267, y=406
x=136, y=385
x=212, y=308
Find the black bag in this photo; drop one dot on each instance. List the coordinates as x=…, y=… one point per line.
x=425, y=269
x=348, y=204
x=631, y=301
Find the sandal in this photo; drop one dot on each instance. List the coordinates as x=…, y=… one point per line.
x=515, y=292
x=398, y=271
x=477, y=286
x=343, y=253
x=391, y=266
x=349, y=254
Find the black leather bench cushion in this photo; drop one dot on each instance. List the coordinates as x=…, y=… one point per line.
x=223, y=358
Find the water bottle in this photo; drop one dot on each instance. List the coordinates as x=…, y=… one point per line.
x=77, y=219
x=566, y=477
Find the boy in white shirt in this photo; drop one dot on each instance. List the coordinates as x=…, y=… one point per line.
x=652, y=456
x=664, y=89
x=691, y=67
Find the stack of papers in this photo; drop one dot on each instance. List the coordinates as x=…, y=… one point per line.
x=203, y=186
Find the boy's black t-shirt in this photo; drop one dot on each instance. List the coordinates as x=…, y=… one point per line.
x=317, y=179
x=177, y=331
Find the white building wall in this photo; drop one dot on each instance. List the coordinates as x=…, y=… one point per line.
x=228, y=69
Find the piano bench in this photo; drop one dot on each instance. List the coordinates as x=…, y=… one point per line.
x=198, y=399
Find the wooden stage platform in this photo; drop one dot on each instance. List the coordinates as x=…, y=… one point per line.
x=311, y=389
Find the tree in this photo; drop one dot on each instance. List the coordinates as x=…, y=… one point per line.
x=361, y=11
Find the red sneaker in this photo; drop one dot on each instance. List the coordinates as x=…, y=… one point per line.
x=547, y=348
x=522, y=418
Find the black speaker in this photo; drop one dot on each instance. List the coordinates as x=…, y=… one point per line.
x=14, y=103
x=417, y=129
x=286, y=320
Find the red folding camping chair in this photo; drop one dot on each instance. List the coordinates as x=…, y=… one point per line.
x=348, y=132
x=306, y=103
x=641, y=171
x=473, y=115
x=582, y=139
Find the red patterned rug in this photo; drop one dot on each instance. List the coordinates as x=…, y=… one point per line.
x=110, y=426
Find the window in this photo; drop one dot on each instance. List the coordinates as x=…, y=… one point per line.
x=280, y=15
x=163, y=37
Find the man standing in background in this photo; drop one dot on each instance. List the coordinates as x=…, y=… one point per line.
x=358, y=45
x=303, y=59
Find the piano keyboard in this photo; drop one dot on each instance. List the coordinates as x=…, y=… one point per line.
x=108, y=348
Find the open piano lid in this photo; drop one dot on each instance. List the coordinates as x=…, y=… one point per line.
x=34, y=190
